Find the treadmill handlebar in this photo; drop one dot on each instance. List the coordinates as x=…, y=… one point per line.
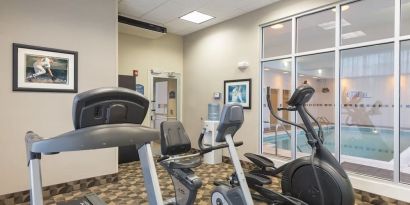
x=206, y=149
x=90, y=138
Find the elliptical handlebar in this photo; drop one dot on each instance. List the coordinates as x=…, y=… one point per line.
x=320, y=131
x=311, y=139
x=206, y=149
x=277, y=117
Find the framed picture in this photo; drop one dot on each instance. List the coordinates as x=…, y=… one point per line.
x=44, y=69
x=238, y=91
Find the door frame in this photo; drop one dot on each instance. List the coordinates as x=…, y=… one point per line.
x=169, y=75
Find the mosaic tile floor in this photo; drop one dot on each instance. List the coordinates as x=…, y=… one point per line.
x=130, y=187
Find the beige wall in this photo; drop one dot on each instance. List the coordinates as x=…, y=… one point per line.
x=161, y=54
x=73, y=25
x=211, y=56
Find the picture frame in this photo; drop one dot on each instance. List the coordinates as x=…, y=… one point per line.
x=41, y=69
x=239, y=92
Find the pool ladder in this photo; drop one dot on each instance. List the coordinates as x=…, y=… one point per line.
x=323, y=120
x=279, y=124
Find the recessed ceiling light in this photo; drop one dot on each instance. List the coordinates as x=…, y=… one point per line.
x=354, y=34
x=277, y=26
x=315, y=77
x=285, y=72
x=266, y=69
x=301, y=75
x=196, y=17
x=319, y=71
x=344, y=8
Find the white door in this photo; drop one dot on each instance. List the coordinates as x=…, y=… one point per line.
x=166, y=97
x=161, y=103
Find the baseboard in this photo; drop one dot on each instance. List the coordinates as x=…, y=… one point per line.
x=49, y=191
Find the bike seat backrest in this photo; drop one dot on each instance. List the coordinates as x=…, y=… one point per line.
x=108, y=106
x=230, y=122
x=174, y=139
x=301, y=95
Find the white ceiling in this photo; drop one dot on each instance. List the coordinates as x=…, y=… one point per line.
x=167, y=12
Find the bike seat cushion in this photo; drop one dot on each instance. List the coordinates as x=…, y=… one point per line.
x=174, y=139
x=254, y=179
x=186, y=163
x=260, y=161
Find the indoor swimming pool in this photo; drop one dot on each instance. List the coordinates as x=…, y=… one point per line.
x=363, y=142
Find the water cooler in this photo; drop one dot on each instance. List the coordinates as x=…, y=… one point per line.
x=211, y=126
x=215, y=156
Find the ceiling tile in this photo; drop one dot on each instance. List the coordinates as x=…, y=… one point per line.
x=218, y=10
x=250, y=5
x=191, y=4
x=167, y=12
x=137, y=8
x=179, y=25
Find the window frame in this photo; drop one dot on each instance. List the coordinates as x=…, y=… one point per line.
x=397, y=39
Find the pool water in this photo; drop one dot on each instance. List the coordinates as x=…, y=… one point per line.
x=364, y=142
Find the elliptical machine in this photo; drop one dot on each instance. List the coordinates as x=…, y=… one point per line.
x=316, y=179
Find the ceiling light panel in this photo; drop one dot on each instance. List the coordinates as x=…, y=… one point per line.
x=196, y=17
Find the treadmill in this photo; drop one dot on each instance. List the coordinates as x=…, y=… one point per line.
x=103, y=118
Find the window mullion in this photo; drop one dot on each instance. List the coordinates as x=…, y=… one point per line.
x=396, y=148
x=337, y=83
x=293, y=139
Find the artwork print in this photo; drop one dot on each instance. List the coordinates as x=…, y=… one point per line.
x=44, y=69
x=238, y=92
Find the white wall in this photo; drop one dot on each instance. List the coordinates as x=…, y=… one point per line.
x=88, y=27
x=163, y=54
x=211, y=56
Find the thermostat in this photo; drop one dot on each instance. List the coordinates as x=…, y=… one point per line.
x=217, y=95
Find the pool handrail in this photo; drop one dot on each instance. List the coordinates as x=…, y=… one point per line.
x=280, y=124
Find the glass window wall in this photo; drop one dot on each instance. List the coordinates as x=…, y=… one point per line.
x=277, y=39
x=358, y=71
x=316, y=31
x=276, y=135
x=367, y=20
x=318, y=71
